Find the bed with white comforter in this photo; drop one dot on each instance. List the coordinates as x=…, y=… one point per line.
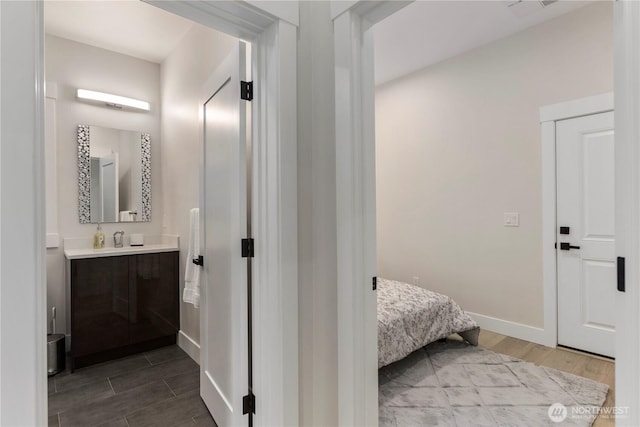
x=410, y=317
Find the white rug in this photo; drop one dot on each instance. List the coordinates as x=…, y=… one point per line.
x=455, y=384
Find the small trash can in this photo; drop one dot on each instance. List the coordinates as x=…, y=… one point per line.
x=56, y=354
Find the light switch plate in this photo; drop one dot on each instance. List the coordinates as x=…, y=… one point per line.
x=511, y=219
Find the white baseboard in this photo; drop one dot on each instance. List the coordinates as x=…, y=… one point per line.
x=513, y=329
x=192, y=348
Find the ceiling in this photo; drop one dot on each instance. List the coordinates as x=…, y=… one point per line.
x=427, y=32
x=421, y=34
x=130, y=27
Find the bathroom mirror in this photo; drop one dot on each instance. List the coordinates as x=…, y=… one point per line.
x=114, y=175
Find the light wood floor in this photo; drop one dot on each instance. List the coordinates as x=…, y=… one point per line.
x=582, y=364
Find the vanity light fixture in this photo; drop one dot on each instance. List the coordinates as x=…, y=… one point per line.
x=113, y=100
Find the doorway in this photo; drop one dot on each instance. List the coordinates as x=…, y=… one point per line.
x=358, y=111
x=578, y=223
x=274, y=35
x=585, y=173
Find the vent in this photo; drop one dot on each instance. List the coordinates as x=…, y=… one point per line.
x=523, y=8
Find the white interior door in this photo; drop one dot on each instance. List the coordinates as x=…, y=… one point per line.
x=586, y=250
x=109, y=188
x=224, y=353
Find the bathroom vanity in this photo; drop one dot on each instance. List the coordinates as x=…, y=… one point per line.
x=123, y=301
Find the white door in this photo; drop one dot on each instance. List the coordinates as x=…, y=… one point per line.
x=109, y=188
x=224, y=377
x=586, y=233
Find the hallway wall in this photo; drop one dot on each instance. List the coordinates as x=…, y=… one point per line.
x=317, y=228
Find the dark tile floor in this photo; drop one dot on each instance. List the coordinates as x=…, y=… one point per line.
x=158, y=388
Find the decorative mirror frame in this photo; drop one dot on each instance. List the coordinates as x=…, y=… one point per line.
x=84, y=175
x=145, y=140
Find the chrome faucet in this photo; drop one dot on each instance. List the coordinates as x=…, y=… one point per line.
x=117, y=239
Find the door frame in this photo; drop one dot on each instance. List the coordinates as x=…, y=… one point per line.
x=626, y=27
x=356, y=207
x=549, y=115
x=272, y=29
x=355, y=124
x=23, y=353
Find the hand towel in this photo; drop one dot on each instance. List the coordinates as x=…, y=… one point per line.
x=191, y=294
x=125, y=216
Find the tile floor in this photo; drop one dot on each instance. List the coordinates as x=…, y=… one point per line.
x=157, y=388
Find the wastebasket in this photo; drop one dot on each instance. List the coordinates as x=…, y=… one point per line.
x=56, y=354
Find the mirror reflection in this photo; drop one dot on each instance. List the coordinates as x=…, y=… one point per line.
x=114, y=175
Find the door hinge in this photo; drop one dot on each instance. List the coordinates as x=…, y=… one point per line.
x=247, y=248
x=375, y=283
x=621, y=273
x=246, y=90
x=199, y=260
x=248, y=404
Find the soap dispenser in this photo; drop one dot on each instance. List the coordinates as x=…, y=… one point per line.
x=98, y=238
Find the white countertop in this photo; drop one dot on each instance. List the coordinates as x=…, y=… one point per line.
x=126, y=250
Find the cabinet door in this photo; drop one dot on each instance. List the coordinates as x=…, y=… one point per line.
x=99, y=304
x=153, y=296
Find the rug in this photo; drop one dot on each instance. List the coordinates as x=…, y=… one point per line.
x=452, y=383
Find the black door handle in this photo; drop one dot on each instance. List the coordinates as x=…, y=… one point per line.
x=567, y=246
x=198, y=261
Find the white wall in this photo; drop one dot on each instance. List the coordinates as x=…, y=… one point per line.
x=75, y=65
x=184, y=73
x=22, y=353
x=317, y=267
x=458, y=144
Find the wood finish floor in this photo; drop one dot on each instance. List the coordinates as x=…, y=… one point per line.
x=157, y=388
x=585, y=365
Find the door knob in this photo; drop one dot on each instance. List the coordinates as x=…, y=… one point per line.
x=567, y=246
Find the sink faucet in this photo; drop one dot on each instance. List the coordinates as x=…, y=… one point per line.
x=117, y=239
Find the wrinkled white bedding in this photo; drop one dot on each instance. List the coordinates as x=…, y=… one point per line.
x=410, y=317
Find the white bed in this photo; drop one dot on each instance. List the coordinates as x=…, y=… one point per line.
x=410, y=317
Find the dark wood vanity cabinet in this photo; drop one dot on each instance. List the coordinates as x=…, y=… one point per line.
x=122, y=305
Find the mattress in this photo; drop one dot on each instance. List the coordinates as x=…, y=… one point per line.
x=410, y=317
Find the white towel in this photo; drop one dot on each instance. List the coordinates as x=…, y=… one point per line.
x=191, y=292
x=125, y=216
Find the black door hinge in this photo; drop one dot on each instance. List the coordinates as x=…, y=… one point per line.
x=248, y=404
x=375, y=283
x=621, y=273
x=247, y=248
x=246, y=90
x=199, y=260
